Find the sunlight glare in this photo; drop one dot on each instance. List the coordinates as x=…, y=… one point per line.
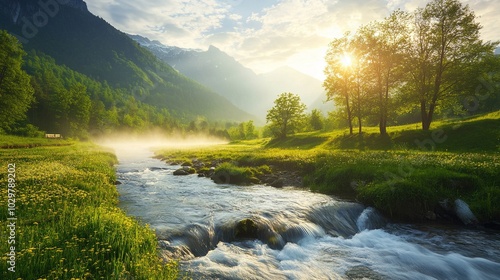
x=346, y=60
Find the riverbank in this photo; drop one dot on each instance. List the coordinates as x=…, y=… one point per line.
x=65, y=219
x=405, y=184
x=223, y=231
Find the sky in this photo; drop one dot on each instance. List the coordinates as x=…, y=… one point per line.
x=264, y=34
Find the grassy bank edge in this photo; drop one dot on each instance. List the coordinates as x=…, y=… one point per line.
x=406, y=186
x=68, y=221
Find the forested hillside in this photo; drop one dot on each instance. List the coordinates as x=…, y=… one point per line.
x=118, y=75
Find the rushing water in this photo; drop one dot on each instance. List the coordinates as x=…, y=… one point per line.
x=258, y=232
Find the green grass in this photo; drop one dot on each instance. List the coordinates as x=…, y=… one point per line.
x=228, y=173
x=404, y=180
x=405, y=185
x=68, y=223
x=12, y=142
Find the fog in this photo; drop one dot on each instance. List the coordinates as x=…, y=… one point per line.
x=129, y=146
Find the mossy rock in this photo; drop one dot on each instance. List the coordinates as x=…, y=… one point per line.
x=228, y=173
x=246, y=229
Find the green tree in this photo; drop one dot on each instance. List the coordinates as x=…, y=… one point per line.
x=79, y=110
x=383, y=46
x=16, y=92
x=286, y=115
x=340, y=79
x=446, y=42
x=250, y=131
x=316, y=120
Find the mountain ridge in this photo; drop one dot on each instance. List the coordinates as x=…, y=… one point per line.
x=68, y=32
x=251, y=92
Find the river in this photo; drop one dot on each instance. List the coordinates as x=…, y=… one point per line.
x=259, y=232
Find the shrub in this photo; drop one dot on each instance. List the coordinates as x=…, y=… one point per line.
x=228, y=173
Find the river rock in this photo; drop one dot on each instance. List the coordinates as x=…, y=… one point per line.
x=464, y=213
x=363, y=272
x=246, y=229
x=210, y=172
x=278, y=183
x=430, y=215
x=198, y=164
x=181, y=172
x=458, y=209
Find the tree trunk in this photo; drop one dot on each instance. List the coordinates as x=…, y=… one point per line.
x=437, y=87
x=385, y=105
x=430, y=114
x=423, y=115
x=382, y=128
x=284, y=130
x=360, y=130
x=349, y=115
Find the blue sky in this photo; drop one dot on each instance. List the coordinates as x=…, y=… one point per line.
x=264, y=34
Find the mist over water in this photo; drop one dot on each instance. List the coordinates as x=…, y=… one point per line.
x=294, y=234
x=130, y=146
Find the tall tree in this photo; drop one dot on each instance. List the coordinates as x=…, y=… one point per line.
x=16, y=92
x=383, y=46
x=446, y=41
x=286, y=115
x=339, y=82
x=79, y=110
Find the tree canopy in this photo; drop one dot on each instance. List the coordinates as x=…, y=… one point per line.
x=421, y=60
x=16, y=93
x=286, y=115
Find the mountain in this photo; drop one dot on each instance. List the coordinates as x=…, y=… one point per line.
x=290, y=80
x=68, y=32
x=251, y=92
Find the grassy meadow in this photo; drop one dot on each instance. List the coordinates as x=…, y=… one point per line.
x=404, y=175
x=68, y=223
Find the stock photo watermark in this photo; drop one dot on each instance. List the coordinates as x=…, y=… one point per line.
x=11, y=217
x=31, y=26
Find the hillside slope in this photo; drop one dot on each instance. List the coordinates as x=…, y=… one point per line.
x=86, y=43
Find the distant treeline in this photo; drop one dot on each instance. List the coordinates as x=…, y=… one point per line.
x=38, y=95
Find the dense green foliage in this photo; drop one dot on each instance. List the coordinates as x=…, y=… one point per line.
x=316, y=120
x=90, y=77
x=69, y=224
x=431, y=62
x=64, y=101
x=16, y=92
x=73, y=104
x=286, y=116
x=243, y=131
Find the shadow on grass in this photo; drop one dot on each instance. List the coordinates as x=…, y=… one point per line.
x=478, y=136
x=299, y=141
x=362, y=141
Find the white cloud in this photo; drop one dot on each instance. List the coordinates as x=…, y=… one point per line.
x=293, y=30
x=263, y=34
x=184, y=23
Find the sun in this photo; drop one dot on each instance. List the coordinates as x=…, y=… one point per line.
x=346, y=60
